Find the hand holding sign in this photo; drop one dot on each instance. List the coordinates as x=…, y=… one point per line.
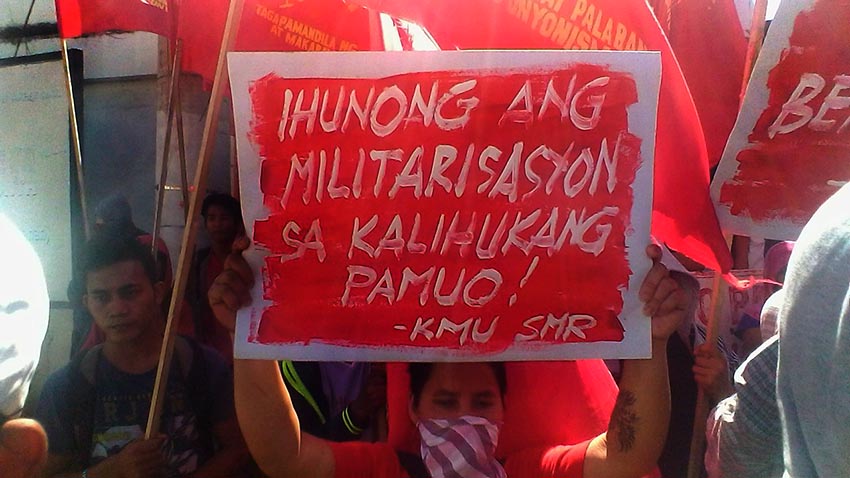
x=662, y=297
x=231, y=289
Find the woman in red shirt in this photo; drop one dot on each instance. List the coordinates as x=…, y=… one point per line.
x=458, y=407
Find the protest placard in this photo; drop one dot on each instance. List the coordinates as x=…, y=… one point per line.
x=445, y=205
x=790, y=149
x=733, y=305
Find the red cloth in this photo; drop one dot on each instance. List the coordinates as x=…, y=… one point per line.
x=210, y=332
x=274, y=25
x=163, y=265
x=81, y=17
x=710, y=45
x=378, y=460
x=547, y=403
x=683, y=214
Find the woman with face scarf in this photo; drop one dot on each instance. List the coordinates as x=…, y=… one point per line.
x=458, y=408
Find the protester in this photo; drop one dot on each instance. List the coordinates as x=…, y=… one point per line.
x=465, y=398
x=113, y=218
x=95, y=409
x=775, y=269
x=223, y=222
x=338, y=401
x=24, y=309
x=744, y=433
x=813, y=383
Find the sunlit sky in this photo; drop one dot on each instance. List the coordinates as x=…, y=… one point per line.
x=772, y=5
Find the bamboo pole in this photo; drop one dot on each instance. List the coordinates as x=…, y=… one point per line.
x=719, y=291
x=757, y=29
x=173, y=85
x=719, y=286
x=190, y=232
x=181, y=150
x=75, y=138
x=234, y=165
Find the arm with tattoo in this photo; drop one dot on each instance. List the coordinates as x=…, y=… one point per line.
x=638, y=426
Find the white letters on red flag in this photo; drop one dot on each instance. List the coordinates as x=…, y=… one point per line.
x=790, y=149
x=445, y=205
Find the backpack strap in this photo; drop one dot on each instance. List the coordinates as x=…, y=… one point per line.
x=413, y=465
x=80, y=401
x=293, y=380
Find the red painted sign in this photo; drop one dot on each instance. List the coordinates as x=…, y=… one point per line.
x=789, y=151
x=443, y=209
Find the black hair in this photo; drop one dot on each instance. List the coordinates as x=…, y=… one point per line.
x=107, y=249
x=117, y=217
x=420, y=372
x=224, y=201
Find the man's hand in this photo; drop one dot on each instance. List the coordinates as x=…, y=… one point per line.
x=23, y=448
x=232, y=288
x=663, y=299
x=139, y=459
x=711, y=372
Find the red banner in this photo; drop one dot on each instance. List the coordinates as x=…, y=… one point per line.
x=683, y=213
x=455, y=203
x=275, y=25
x=82, y=17
x=710, y=45
x=790, y=150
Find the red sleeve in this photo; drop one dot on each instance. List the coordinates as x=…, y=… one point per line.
x=566, y=461
x=365, y=460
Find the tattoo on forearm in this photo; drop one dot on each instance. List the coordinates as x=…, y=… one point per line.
x=624, y=420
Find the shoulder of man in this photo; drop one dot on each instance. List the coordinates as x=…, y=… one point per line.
x=74, y=378
x=195, y=357
x=205, y=373
x=57, y=386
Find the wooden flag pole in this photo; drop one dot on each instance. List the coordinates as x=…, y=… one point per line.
x=181, y=149
x=757, y=30
x=719, y=291
x=719, y=286
x=190, y=232
x=75, y=138
x=234, y=165
x=173, y=85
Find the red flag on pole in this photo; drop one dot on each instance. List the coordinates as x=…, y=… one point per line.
x=81, y=17
x=709, y=43
x=683, y=215
x=276, y=25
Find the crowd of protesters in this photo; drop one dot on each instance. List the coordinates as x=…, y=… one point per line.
x=783, y=412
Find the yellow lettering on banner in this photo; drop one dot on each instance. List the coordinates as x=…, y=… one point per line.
x=585, y=26
x=300, y=35
x=620, y=38
x=160, y=4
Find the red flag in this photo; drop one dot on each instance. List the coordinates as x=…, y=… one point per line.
x=683, y=215
x=81, y=17
x=709, y=43
x=275, y=25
